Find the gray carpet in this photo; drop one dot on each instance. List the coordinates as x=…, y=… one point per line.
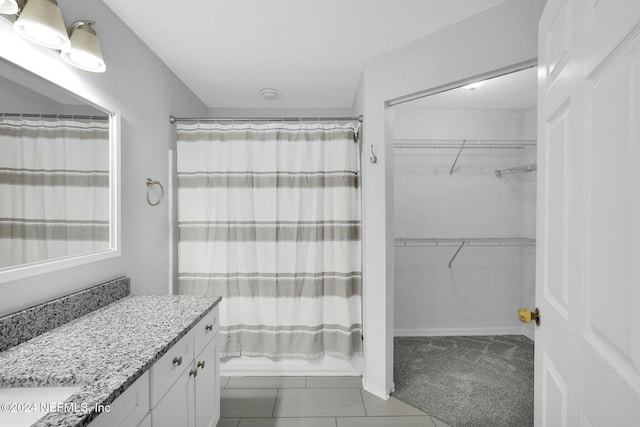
x=477, y=381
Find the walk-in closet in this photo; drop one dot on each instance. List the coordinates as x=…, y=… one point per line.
x=464, y=212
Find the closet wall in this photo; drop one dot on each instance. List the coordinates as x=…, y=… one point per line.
x=484, y=287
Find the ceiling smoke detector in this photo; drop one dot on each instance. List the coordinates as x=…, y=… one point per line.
x=270, y=94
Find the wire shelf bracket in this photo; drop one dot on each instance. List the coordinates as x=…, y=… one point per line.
x=457, y=157
x=526, y=168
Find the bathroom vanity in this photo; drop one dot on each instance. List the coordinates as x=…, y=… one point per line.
x=140, y=361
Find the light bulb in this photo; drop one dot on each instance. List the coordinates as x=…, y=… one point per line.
x=474, y=86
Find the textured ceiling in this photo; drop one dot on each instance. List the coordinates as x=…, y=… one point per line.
x=313, y=51
x=515, y=91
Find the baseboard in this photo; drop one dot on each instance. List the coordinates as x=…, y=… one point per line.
x=529, y=333
x=264, y=367
x=375, y=390
x=440, y=332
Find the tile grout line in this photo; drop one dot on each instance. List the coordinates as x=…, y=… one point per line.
x=275, y=403
x=363, y=405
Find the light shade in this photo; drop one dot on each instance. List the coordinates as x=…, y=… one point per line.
x=41, y=22
x=84, y=52
x=10, y=7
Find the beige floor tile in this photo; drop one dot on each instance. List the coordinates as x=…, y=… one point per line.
x=325, y=402
x=334, y=382
x=288, y=422
x=377, y=407
x=228, y=422
x=266, y=382
x=384, y=422
x=247, y=402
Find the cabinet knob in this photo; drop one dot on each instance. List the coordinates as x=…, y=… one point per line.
x=208, y=328
x=193, y=373
x=177, y=361
x=201, y=364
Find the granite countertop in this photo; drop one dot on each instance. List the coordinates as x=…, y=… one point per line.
x=103, y=352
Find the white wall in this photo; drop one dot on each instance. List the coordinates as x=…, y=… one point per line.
x=146, y=92
x=481, y=293
x=280, y=112
x=495, y=39
x=19, y=99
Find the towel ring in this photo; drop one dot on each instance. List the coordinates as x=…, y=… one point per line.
x=151, y=183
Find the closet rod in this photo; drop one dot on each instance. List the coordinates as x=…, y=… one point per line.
x=173, y=119
x=417, y=242
x=53, y=116
x=526, y=168
x=461, y=242
x=467, y=143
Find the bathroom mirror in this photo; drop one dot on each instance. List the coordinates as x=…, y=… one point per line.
x=58, y=176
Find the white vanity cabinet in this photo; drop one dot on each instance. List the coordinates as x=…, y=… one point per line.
x=129, y=409
x=187, y=393
x=181, y=389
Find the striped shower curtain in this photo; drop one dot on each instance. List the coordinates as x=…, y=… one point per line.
x=269, y=219
x=54, y=189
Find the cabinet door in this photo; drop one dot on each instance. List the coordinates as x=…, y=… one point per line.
x=176, y=407
x=129, y=408
x=207, y=386
x=170, y=367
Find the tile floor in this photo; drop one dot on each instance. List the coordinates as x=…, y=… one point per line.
x=311, y=402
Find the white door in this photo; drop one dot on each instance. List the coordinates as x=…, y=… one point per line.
x=588, y=344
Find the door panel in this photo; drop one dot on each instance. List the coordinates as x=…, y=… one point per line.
x=610, y=319
x=554, y=407
x=557, y=292
x=557, y=40
x=588, y=290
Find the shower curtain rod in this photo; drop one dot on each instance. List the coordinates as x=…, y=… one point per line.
x=53, y=116
x=173, y=119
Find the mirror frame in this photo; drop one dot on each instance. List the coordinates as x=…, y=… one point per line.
x=48, y=64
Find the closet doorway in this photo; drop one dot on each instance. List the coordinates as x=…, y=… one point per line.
x=464, y=227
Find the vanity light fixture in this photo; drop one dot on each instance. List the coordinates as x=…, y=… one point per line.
x=11, y=7
x=40, y=21
x=84, y=52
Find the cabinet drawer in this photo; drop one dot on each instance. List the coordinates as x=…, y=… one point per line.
x=129, y=408
x=205, y=330
x=169, y=367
